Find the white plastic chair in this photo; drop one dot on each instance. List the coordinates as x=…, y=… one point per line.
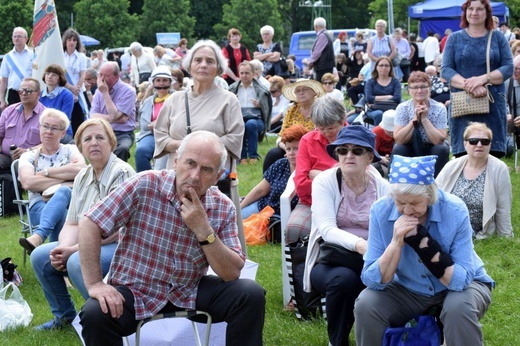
x=285, y=211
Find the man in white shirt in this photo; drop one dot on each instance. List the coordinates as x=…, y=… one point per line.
x=431, y=48
x=504, y=28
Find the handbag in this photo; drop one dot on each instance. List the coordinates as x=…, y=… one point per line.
x=143, y=77
x=396, y=61
x=405, y=62
x=421, y=331
x=464, y=103
x=336, y=255
x=383, y=105
x=14, y=310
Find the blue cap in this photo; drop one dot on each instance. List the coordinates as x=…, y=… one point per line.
x=412, y=170
x=355, y=135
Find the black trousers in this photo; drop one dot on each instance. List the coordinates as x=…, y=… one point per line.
x=13, y=96
x=125, y=140
x=240, y=303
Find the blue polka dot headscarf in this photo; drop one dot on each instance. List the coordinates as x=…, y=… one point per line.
x=412, y=170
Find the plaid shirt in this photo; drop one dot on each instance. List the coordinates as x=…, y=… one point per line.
x=158, y=257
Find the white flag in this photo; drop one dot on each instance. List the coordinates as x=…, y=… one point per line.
x=46, y=38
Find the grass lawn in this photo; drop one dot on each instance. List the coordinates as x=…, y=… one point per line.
x=501, y=325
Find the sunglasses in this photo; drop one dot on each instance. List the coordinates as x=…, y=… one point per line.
x=328, y=83
x=162, y=88
x=26, y=91
x=343, y=151
x=483, y=141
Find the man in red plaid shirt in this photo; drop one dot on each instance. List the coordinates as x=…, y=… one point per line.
x=172, y=226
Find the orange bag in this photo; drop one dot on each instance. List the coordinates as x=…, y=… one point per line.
x=256, y=227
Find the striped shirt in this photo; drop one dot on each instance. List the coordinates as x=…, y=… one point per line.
x=87, y=190
x=158, y=257
x=381, y=47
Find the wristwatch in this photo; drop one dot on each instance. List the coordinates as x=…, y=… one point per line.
x=209, y=240
x=46, y=172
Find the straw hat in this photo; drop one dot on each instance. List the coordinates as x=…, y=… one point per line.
x=288, y=90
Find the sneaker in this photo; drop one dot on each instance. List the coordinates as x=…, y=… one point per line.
x=55, y=324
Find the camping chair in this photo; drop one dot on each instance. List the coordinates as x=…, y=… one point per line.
x=23, y=208
x=177, y=314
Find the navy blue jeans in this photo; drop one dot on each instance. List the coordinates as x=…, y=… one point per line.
x=250, y=145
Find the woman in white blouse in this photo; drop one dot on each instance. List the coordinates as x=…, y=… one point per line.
x=142, y=64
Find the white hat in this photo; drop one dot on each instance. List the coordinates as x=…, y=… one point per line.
x=388, y=120
x=161, y=71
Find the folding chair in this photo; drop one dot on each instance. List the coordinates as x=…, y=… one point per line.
x=23, y=208
x=177, y=314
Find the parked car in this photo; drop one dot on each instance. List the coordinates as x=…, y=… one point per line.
x=302, y=42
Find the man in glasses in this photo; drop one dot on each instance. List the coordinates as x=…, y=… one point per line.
x=114, y=101
x=19, y=123
x=16, y=66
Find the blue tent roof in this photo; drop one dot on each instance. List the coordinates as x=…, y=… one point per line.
x=449, y=9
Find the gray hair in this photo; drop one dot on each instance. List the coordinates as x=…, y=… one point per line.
x=381, y=21
x=136, y=46
x=327, y=111
x=428, y=191
x=221, y=60
x=51, y=112
x=93, y=72
x=206, y=136
x=19, y=28
x=398, y=31
x=267, y=28
x=320, y=22
x=257, y=65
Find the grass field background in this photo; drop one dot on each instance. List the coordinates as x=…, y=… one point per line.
x=501, y=256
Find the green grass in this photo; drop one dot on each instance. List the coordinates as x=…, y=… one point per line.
x=500, y=323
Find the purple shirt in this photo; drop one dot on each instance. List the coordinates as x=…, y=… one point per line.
x=123, y=96
x=14, y=129
x=321, y=43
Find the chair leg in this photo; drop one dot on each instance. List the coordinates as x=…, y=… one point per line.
x=138, y=333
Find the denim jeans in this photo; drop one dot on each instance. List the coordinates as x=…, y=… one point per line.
x=250, y=210
x=250, y=145
x=144, y=153
x=51, y=280
x=51, y=216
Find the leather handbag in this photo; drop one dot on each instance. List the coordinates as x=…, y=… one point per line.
x=336, y=255
x=464, y=103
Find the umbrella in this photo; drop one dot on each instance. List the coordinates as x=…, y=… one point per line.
x=88, y=41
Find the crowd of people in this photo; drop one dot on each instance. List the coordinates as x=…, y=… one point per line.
x=377, y=180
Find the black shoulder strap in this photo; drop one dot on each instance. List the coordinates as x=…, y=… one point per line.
x=339, y=176
x=511, y=97
x=187, y=106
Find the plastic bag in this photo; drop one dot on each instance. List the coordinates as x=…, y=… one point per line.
x=14, y=311
x=256, y=227
x=422, y=331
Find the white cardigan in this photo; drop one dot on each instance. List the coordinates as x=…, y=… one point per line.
x=326, y=199
x=498, y=194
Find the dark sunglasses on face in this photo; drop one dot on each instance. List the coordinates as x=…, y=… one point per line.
x=343, y=151
x=162, y=88
x=483, y=141
x=26, y=91
x=328, y=83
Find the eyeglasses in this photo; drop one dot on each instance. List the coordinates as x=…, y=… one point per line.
x=53, y=129
x=383, y=65
x=18, y=36
x=420, y=87
x=327, y=83
x=26, y=91
x=343, y=151
x=274, y=91
x=483, y=141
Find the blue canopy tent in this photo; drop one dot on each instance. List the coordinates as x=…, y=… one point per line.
x=88, y=41
x=439, y=15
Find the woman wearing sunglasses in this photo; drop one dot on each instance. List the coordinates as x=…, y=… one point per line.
x=482, y=182
x=329, y=83
x=420, y=123
x=343, y=196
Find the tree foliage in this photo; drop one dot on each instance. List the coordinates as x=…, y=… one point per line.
x=13, y=14
x=107, y=20
x=379, y=9
x=208, y=13
x=249, y=16
x=161, y=16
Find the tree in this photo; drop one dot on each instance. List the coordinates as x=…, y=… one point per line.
x=249, y=16
x=13, y=14
x=161, y=16
x=379, y=9
x=106, y=20
x=208, y=13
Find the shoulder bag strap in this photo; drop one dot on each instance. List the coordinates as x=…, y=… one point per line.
x=187, y=106
x=339, y=177
x=488, y=63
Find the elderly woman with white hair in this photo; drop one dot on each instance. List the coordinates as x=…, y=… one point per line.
x=268, y=52
x=420, y=255
x=142, y=64
x=206, y=107
x=380, y=44
x=48, y=172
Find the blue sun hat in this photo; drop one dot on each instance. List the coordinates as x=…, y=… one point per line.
x=412, y=170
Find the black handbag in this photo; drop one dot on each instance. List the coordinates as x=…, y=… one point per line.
x=383, y=105
x=143, y=77
x=336, y=255
x=405, y=62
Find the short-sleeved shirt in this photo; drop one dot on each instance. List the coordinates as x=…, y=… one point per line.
x=75, y=63
x=158, y=258
x=293, y=116
x=384, y=142
x=437, y=115
x=277, y=175
x=15, y=62
x=88, y=190
x=275, y=47
x=60, y=158
x=123, y=96
x=14, y=129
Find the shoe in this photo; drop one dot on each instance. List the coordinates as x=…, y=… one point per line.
x=253, y=161
x=27, y=245
x=243, y=162
x=55, y=324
